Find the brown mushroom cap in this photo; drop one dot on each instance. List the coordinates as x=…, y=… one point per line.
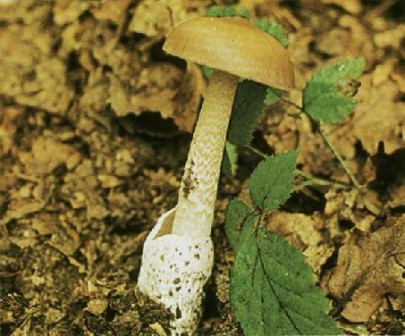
x=233, y=45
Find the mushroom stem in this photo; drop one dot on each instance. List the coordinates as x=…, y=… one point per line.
x=195, y=207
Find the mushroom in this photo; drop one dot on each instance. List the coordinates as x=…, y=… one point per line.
x=178, y=252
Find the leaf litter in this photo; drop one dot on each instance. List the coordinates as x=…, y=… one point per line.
x=86, y=96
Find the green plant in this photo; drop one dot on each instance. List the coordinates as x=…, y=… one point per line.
x=273, y=290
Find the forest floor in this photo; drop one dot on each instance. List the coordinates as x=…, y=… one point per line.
x=95, y=125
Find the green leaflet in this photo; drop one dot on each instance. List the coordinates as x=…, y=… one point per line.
x=323, y=97
x=274, y=29
x=230, y=160
x=270, y=184
x=238, y=215
x=224, y=11
x=246, y=108
x=273, y=290
x=331, y=107
x=272, y=96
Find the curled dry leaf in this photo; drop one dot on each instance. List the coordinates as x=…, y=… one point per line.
x=369, y=267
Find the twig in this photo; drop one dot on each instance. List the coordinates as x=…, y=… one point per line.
x=311, y=180
x=338, y=157
x=317, y=126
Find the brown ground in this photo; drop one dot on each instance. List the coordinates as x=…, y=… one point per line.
x=95, y=123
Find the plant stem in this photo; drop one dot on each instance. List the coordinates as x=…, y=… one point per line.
x=256, y=151
x=311, y=180
x=199, y=185
x=338, y=157
x=327, y=142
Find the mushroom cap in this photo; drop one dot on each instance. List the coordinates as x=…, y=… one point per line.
x=233, y=45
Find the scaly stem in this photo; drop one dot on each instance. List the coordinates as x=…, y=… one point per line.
x=198, y=190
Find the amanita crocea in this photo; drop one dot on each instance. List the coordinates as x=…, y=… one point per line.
x=178, y=253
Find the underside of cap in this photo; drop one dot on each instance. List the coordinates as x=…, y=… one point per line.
x=234, y=45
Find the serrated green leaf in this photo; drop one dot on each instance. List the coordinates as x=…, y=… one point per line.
x=224, y=11
x=246, y=108
x=272, y=96
x=331, y=107
x=321, y=97
x=274, y=29
x=230, y=161
x=238, y=216
x=271, y=182
x=273, y=290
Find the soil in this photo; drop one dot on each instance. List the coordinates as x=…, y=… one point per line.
x=95, y=125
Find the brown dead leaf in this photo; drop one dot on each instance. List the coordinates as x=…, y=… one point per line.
x=379, y=110
x=20, y=208
x=351, y=6
x=359, y=207
x=66, y=240
x=113, y=10
x=156, y=18
x=53, y=316
x=390, y=37
x=32, y=78
x=97, y=306
x=369, y=267
x=398, y=301
x=67, y=11
x=46, y=154
x=156, y=91
x=188, y=97
x=163, y=88
x=383, y=71
x=327, y=42
x=8, y=127
x=353, y=38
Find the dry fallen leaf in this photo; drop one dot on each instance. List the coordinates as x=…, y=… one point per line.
x=163, y=88
x=8, y=127
x=46, y=154
x=379, y=110
x=156, y=18
x=351, y=6
x=29, y=74
x=369, y=267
